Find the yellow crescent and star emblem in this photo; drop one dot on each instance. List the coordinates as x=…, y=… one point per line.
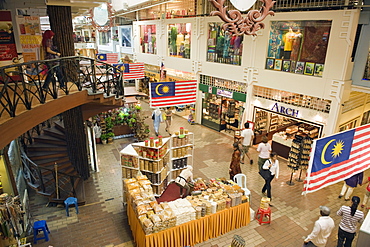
x=165, y=89
x=336, y=151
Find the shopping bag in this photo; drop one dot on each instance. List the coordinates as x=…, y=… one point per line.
x=164, y=116
x=265, y=174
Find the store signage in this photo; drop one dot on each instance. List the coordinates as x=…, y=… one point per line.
x=235, y=23
x=225, y=93
x=209, y=89
x=285, y=110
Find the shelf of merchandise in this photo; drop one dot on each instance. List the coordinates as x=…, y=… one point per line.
x=181, y=154
x=136, y=157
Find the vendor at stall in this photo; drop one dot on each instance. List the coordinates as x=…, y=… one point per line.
x=182, y=180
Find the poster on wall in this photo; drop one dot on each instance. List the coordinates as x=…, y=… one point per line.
x=30, y=37
x=8, y=49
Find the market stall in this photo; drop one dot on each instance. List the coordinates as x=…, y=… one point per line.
x=207, y=214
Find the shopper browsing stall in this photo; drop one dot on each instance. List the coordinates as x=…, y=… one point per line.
x=182, y=180
x=157, y=119
x=247, y=138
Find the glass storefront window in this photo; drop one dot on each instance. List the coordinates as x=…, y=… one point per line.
x=221, y=113
x=367, y=68
x=179, y=37
x=148, y=39
x=104, y=37
x=222, y=47
x=298, y=46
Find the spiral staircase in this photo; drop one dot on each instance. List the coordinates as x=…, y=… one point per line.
x=26, y=111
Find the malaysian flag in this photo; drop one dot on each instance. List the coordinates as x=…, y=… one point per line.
x=338, y=157
x=110, y=58
x=174, y=93
x=131, y=70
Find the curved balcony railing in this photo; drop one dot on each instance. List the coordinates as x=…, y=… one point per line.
x=25, y=85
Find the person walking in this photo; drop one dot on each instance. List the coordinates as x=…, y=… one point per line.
x=348, y=224
x=264, y=150
x=321, y=230
x=168, y=114
x=247, y=138
x=157, y=119
x=235, y=162
x=51, y=52
x=367, y=194
x=350, y=184
x=272, y=165
x=182, y=180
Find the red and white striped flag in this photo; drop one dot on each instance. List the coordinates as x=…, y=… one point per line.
x=131, y=70
x=110, y=58
x=165, y=94
x=338, y=157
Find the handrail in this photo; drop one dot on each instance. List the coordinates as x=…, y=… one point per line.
x=29, y=83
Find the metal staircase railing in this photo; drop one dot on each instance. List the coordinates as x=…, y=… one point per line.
x=27, y=84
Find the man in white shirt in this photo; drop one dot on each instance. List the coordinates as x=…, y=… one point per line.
x=321, y=230
x=247, y=138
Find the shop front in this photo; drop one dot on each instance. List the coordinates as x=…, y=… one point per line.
x=222, y=103
x=289, y=125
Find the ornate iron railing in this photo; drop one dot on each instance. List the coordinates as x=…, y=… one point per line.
x=46, y=184
x=28, y=84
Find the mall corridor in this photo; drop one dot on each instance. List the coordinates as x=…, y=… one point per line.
x=103, y=221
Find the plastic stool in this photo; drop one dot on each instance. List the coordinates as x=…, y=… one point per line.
x=71, y=201
x=262, y=213
x=40, y=226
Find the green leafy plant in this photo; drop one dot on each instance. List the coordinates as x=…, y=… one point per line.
x=110, y=135
x=104, y=136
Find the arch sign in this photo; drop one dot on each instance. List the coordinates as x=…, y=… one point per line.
x=235, y=23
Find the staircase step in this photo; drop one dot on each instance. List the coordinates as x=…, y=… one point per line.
x=49, y=140
x=61, y=168
x=41, y=147
x=41, y=156
x=59, y=125
x=51, y=162
x=55, y=133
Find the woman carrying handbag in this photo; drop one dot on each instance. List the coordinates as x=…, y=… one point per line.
x=269, y=170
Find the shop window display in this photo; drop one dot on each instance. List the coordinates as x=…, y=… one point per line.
x=221, y=113
x=298, y=47
x=148, y=39
x=222, y=47
x=179, y=38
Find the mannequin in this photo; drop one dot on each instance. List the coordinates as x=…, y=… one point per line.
x=296, y=45
x=288, y=43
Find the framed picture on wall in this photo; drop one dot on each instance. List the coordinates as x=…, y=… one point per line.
x=319, y=69
x=309, y=68
x=286, y=65
x=292, y=66
x=299, y=68
x=270, y=63
x=278, y=64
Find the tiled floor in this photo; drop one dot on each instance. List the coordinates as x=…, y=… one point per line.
x=103, y=221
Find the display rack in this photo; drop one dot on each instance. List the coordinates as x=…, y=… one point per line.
x=182, y=153
x=151, y=158
x=261, y=120
x=299, y=155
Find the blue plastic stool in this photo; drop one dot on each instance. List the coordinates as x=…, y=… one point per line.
x=71, y=201
x=40, y=226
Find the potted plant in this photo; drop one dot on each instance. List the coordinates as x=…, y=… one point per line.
x=104, y=138
x=110, y=136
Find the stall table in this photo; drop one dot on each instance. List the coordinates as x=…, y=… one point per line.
x=192, y=232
